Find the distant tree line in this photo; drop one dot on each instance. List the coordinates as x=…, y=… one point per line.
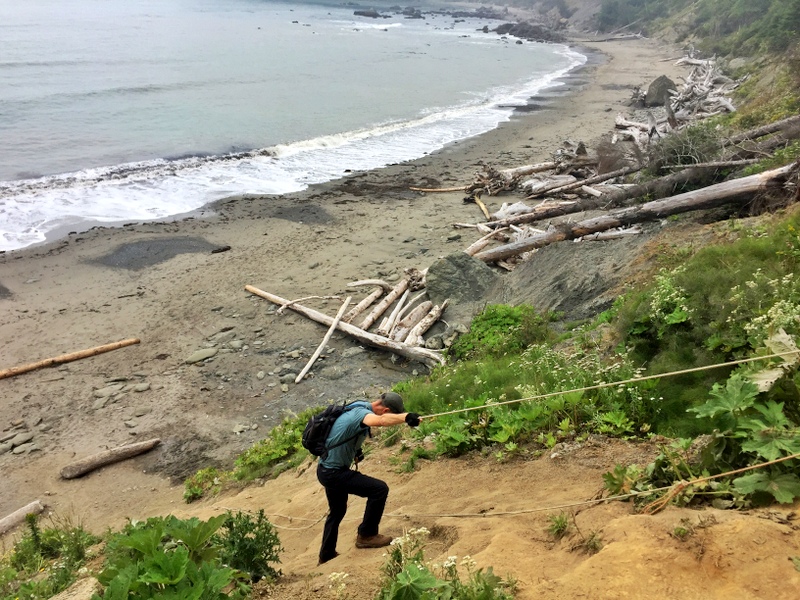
x=727, y=26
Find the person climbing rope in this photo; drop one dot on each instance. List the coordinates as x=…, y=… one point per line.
x=343, y=450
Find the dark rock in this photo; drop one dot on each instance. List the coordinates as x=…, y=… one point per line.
x=658, y=92
x=534, y=32
x=461, y=278
x=372, y=14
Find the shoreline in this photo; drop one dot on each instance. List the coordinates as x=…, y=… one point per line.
x=63, y=227
x=158, y=282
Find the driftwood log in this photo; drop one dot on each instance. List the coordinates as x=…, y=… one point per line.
x=325, y=340
x=363, y=305
x=408, y=322
x=387, y=301
x=18, y=516
x=758, y=132
x=65, y=358
x=709, y=197
x=422, y=355
x=388, y=325
x=590, y=181
x=107, y=457
x=476, y=247
x=414, y=337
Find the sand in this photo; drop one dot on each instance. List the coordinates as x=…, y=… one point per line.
x=171, y=285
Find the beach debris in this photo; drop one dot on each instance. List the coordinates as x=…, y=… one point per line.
x=325, y=340
x=704, y=198
x=18, y=516
x=107, y=457
x=414, y=279
x=64, y=358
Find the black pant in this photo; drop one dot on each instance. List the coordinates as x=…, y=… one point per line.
x=338, y=484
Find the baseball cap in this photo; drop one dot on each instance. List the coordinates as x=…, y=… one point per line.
x=394, y=402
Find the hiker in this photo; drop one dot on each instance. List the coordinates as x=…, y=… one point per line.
x=344, y=443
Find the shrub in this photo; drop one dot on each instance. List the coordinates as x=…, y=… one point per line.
x=250, y=544
x=501, y=329
x=44, y=561
x=408, y=577
x=169, y=557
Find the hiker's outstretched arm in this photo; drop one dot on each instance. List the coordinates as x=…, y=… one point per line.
x=384, y=420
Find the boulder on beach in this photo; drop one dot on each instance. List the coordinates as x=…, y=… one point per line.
x=658, y=92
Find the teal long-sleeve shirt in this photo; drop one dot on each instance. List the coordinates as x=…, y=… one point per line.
x=349, y=426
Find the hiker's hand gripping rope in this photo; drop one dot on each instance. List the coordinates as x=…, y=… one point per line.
x=412, y=419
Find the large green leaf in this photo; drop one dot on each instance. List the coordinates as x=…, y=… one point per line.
x=771, y=444
x=145, y=541
x=417, y=583
x=195, y=534
x=166, y=568
x=737, y=396
x=784, y=487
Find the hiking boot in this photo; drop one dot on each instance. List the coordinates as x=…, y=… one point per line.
x=322, y=561
x=373, y=541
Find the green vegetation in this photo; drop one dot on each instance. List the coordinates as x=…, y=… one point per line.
x=725, y=26
x=407, y=576
x=163, y=557
x=501, y=329
x=44, y=561
x=170, y=557
x=250, y=545
x=558, y=525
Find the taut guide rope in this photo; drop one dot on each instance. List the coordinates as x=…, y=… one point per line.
x=614, y=384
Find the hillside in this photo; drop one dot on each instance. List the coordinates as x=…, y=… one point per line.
x=172, y=285
x=678, y=553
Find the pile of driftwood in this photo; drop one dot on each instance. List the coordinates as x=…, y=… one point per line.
x=573, y=181
x=400, y=331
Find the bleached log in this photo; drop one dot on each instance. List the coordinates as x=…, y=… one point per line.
x=386, y=327
x=8, y=522
x=405, y=325
x=410, y=305
x=759, y=132
x=517, y=172
x=537, y=187
x=324, y=341
x=591, y=191
x=385, y=286
x=592, y=180
x=708, y=197
x=363, y=305
x=64, y=358
x=387, y=301
x=610, y=235
x=722, y=164
x=509, y=210
x=107, y=457
x=461, y=188
x=620, y=122
x=422, y=355
x=414, y=337
x=476, y=247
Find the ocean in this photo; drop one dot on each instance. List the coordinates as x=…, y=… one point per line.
x=117, y=111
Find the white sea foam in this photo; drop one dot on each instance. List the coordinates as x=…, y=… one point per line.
x=157, y=189
x=148, y=79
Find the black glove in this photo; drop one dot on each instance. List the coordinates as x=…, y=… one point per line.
x=412, y=419
x=359, y=455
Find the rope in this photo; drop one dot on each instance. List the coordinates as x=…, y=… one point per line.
x=613, y=384
x=649, y=509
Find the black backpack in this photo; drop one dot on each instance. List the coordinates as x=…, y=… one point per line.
x=318, y=429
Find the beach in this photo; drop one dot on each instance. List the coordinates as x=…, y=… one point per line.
x=178, y=287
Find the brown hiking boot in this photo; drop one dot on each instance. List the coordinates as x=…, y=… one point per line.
x=373, y=541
